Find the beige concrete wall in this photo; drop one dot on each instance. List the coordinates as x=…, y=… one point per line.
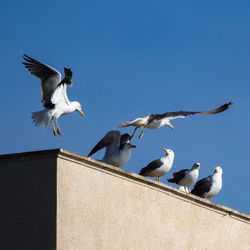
x=103, y=207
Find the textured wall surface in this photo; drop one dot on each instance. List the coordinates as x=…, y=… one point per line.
x=103, y=207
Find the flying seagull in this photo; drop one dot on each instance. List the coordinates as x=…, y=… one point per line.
x=209, y=186
x=54, y=95
x=159, y=167
x=186, y=177
x=155, y=121
x=118, y=148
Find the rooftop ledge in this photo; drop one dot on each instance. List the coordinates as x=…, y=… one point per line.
x=128, y=176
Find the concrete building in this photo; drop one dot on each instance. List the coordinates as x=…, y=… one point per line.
x=56, y=199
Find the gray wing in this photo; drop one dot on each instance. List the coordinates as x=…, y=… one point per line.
x=178, y=176
x=184, y=114
x=150, y=167
x=111, y=141
x=202, y=186
x=50, y=78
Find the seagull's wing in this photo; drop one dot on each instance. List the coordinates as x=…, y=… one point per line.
x=60, y=93
x=184, y=114
x=151, y=167
x=111, y=141
x=142, y=121
x=50, y=78
x=202, y=186
x=178, y=176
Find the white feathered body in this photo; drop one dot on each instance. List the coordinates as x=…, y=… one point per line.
x=62, y=107
x=143, y=122
x=167, y=163
x=216, y=185
x=118, y=157
x=190, y=178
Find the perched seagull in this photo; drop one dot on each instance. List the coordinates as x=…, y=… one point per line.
x=186, y=177
x=118, y=148
x=159, y=167
x=53, y=91
x=155, y=121
x=209, y=186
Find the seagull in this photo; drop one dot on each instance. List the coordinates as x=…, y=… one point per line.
x=209, y=186
x=155, y=121
x=54, y=95
x=118, y=148
x=159, y=167
x=186, y=177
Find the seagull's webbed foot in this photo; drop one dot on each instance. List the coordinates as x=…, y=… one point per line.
x=141, y=135
x=58, y=129
x=54, y=130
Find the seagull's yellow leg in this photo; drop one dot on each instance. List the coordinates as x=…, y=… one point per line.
x=54, y=130
x=133, y=133
x=141, y=135
x=157, y=178
x=58, y=129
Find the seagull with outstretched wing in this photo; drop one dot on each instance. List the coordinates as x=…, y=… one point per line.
x=117, y=148
x=54, y=94
x=155, y=121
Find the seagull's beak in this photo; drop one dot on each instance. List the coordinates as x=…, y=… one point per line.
x=170, y=125
x=216, y=169
x=132, y=146
x=81, y=113
x=165, y=150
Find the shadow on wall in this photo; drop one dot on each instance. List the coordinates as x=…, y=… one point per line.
x=28, y=205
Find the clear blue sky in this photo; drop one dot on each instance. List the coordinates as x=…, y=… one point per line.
x=129, y=59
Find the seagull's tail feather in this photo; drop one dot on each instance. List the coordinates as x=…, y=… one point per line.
x=125, y=124
x=122, y=125
x=171, y=180
x=142, y=172
x=42, y=118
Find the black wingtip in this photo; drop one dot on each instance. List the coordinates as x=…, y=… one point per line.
x=170, y=180
x=29, y=59
x=226, y=106
x=142, y=172
x=92, y=152
x=25, y=57
x=68, y=72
